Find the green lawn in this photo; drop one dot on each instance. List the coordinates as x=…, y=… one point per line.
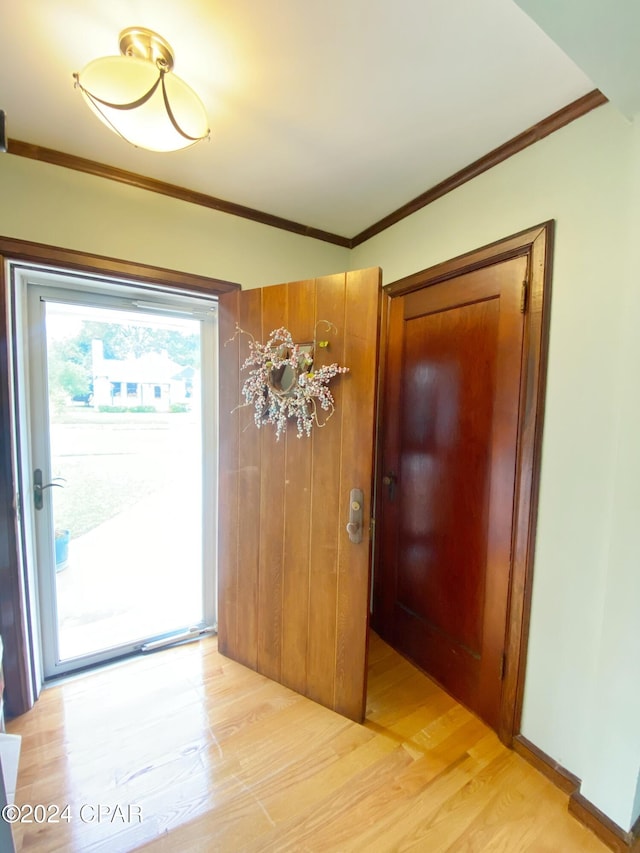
x=112, y=461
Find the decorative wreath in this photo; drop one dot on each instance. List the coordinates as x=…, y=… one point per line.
x=283, y=382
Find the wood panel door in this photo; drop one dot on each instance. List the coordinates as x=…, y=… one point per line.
x=451, y=415
x=293, y=589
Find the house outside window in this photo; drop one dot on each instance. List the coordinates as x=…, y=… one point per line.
x=151, y=379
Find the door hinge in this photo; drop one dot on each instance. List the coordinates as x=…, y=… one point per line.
x=524, y=297
x=503, y=665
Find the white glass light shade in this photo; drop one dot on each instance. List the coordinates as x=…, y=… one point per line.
x=113, y=87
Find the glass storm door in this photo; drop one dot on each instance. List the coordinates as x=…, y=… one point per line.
x=117, y=453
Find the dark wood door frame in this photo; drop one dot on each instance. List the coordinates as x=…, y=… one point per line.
x=536, y=244
x=13, y=621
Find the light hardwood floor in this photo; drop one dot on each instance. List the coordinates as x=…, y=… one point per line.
x=218, y=758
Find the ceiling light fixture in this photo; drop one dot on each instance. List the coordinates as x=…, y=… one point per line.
x=139, y=99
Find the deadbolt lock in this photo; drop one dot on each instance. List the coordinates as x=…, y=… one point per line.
x=354, y=525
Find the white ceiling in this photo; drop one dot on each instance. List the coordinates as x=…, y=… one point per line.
x=331, y=114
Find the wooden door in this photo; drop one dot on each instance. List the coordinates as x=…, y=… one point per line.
x=451, y=428
x=293, y=589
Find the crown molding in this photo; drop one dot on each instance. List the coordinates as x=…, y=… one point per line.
x=561, y=118
x=534, y=134
x=101, y=170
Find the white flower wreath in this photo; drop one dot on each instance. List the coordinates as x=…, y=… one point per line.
x=283, y=382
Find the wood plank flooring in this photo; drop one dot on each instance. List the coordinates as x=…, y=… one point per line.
x=213, y=757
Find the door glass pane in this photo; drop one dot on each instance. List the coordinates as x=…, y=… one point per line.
x=125, y=437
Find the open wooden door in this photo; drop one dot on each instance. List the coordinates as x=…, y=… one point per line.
x=293, y=589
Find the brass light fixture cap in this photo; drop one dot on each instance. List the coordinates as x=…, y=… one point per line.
x=145, y=44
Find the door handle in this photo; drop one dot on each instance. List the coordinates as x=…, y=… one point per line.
x=354, y=525
x=39, y=487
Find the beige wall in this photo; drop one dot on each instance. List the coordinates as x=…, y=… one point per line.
x=582, y=691
x=582, y=699
x=49, y=204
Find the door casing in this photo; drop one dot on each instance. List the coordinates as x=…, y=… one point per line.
x=15, y=623
x=536, y=245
